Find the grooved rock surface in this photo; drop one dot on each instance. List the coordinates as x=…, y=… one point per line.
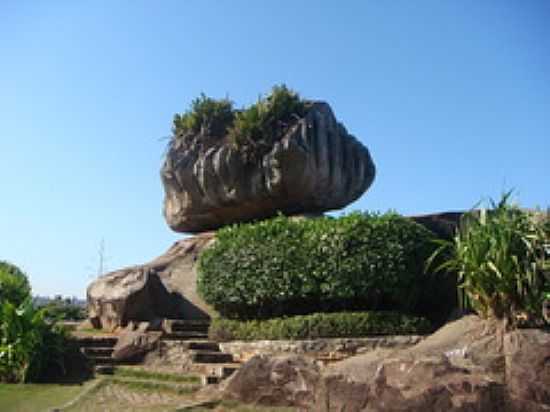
x=163, y=288
x=316, y=166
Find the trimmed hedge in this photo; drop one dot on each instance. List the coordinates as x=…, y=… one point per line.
x=319, y=325
x=284, y=266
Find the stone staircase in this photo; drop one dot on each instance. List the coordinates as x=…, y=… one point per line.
x=206, y=357
x=98, y=350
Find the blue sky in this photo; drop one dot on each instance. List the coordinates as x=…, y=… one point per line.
x=451, y=97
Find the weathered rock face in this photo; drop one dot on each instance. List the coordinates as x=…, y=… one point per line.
x=163, y=288
x=286, y=380
x=317, y=166
x=468, y=365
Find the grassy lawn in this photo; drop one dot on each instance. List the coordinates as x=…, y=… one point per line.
x=119, y=393
x=37, y=397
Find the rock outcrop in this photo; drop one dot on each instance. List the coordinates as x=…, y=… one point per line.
x=468, y=365
x=316, y=166
x=285, y=380
x=163, y=288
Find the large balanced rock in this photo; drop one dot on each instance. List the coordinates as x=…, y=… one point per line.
x=316, y=166
x=163, y=288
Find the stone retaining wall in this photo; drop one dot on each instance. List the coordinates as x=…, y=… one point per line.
x=326, y=350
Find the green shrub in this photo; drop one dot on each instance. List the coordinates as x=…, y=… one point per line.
x=284, y=266
x=499, y=255
x=63, y=309
x=29, y=345
x=266, y=121
x=14, y=285
x=206, y=115
x=319, y=325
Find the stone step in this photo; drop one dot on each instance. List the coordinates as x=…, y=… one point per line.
x=204, y=345
x=96, y=341
x=102, y=360
x=91, y=351
x=186, y=325
x=210, y=357
x=215, y=374
x=185, y=335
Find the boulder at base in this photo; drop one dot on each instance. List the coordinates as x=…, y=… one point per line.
x=470, y=365
x=316, y=166
x=163, y=288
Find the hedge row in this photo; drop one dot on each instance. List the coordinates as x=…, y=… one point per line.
x=282, y=266
x=319, y=325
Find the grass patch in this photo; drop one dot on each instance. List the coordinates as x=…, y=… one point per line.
x=143, y=374
x=152, y=386
x=37, y=397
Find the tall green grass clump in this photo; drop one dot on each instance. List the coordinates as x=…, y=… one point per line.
x=283, y=266
x=500, y=258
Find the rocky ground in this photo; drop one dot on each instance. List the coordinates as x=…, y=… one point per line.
x=468, y=365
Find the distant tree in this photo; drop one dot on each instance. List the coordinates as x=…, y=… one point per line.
x=14, y=284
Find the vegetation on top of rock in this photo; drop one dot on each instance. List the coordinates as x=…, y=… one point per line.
x=319, y=325
x=286, y=267
x=206, y=116
x=251, y=129
x=501, y=257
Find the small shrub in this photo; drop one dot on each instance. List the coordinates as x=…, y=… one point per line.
x=63, y=309
x=265, y=122
x=14, y=285
x=319, y=325
x=285, y=267
x=499, y=255
x=206, y=115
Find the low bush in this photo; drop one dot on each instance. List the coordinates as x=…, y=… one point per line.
x=319, y=325
x=59, y=309
x=284, y=266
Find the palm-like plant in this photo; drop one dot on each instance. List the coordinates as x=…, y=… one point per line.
x=497, y=255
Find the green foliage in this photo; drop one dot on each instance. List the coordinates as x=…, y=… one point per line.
x=206, y=115
x=29, y=345
x=284, y=266
x=64, y=309
x=499, y=255
x=319, y=325
x=265, y=121
x=14, y=285
x=252, y=130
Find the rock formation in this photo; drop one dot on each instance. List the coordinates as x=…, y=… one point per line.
x=468, y=365
x=163, y=288
x=316, y=166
